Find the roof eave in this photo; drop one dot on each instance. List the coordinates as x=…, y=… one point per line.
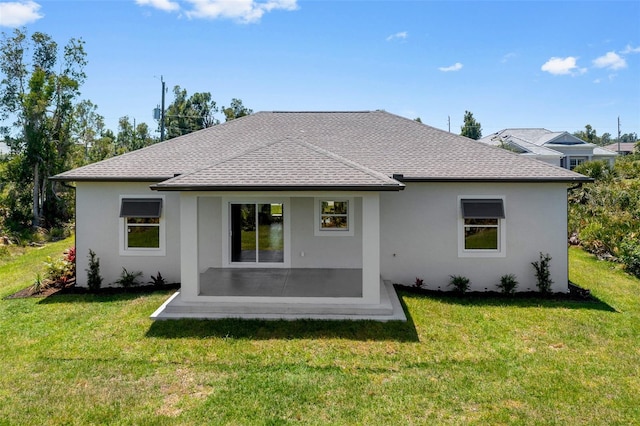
x=109, y=178
x=500, y=179
x=272, y=188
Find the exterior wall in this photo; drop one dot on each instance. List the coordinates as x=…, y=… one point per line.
x=98, y=229
x=323, y=251
x=419, y=234
x=209, y=232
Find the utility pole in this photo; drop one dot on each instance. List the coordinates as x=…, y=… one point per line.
x=618, y=135
x=162, y=112
x=449, y=122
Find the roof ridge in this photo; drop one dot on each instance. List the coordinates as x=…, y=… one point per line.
x=345, y=161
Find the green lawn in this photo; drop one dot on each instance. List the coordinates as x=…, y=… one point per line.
x=79, y=359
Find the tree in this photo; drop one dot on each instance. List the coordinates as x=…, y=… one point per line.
x=38, y=94
x=471, y=128
x=131, y=136
x=629, y=137
x=87, y=127
x=589, y=134
x=188, y=114
x=236, y=110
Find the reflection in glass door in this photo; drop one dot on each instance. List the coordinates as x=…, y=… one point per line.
x=257, y=234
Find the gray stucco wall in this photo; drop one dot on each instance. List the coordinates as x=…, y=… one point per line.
x=323, y=251
x=98, y=226
x=419, y=228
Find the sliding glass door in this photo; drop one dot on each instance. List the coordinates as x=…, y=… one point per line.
x=257, y=233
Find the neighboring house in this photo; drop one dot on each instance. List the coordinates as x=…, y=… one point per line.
x=4, y=149
x=623, y=148
x=315, y=214
x=557, y=148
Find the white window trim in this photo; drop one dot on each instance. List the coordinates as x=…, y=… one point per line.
x=122, y=222
x=502, y=230
x=328, y=232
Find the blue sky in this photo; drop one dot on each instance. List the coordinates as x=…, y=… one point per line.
x=558, y=65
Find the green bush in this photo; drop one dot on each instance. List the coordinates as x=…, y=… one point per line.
x=94, y=279
x=543, y=273
x=630, y=255
x=128, y=279
x=459, y=283
x=598, y=170
x=508, y=283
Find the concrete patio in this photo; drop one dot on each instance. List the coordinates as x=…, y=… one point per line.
x=281, y=284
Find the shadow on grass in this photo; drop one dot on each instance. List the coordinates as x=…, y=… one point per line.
x=522, y=300
x=360, y=330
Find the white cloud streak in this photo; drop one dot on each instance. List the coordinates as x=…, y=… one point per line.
x=562, y=66
x=402, y=35
x=630, y=49
x=244, y=11
x=610, y=60
x=166, y=5
x=16, y=14
x=455, y=67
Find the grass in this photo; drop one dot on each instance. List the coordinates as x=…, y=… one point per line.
x=83, y=359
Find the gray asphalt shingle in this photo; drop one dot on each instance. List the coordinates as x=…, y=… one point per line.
x=301, y=148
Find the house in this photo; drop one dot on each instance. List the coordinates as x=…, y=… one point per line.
x=623, y=148
x=557, y=148
x=316, y=214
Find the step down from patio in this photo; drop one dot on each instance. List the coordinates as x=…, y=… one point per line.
x=389, y=309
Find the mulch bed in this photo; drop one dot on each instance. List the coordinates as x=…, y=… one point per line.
x=575, y=293
x=72, y=289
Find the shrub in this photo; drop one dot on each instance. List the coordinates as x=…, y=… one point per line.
x=158, y=280
x=128, y=279
x=543, y=274
x=418, y=282
x=630, y=255
x=37, y=285
x=508, y=284
x=598, y=170
x=94, y=280
x=459, y=283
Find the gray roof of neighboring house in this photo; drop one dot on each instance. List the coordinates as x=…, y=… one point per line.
x=624, y=147
x=524, y=145
x=317, y=149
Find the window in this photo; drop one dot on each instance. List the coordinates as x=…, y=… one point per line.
x=481, y=231
x=333, y=217
x=142, y=226
x=576, y=161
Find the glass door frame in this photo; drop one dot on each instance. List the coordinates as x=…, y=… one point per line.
x=227, y=232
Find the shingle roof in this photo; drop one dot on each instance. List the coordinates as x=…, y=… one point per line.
x=285, y=163
x=356, y=144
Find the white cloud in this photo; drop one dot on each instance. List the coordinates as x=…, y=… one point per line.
x=18, y=13
x=246, y=11
x=596, y=81
x=611, y=60
x=630, y=49
x=455, y=67
x=562, y=66
x=402, y=35
x=166, y=5
x=506, y=58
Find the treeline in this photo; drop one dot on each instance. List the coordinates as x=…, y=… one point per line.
x=49, y=129
x=589, y=134
x=605, y=214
